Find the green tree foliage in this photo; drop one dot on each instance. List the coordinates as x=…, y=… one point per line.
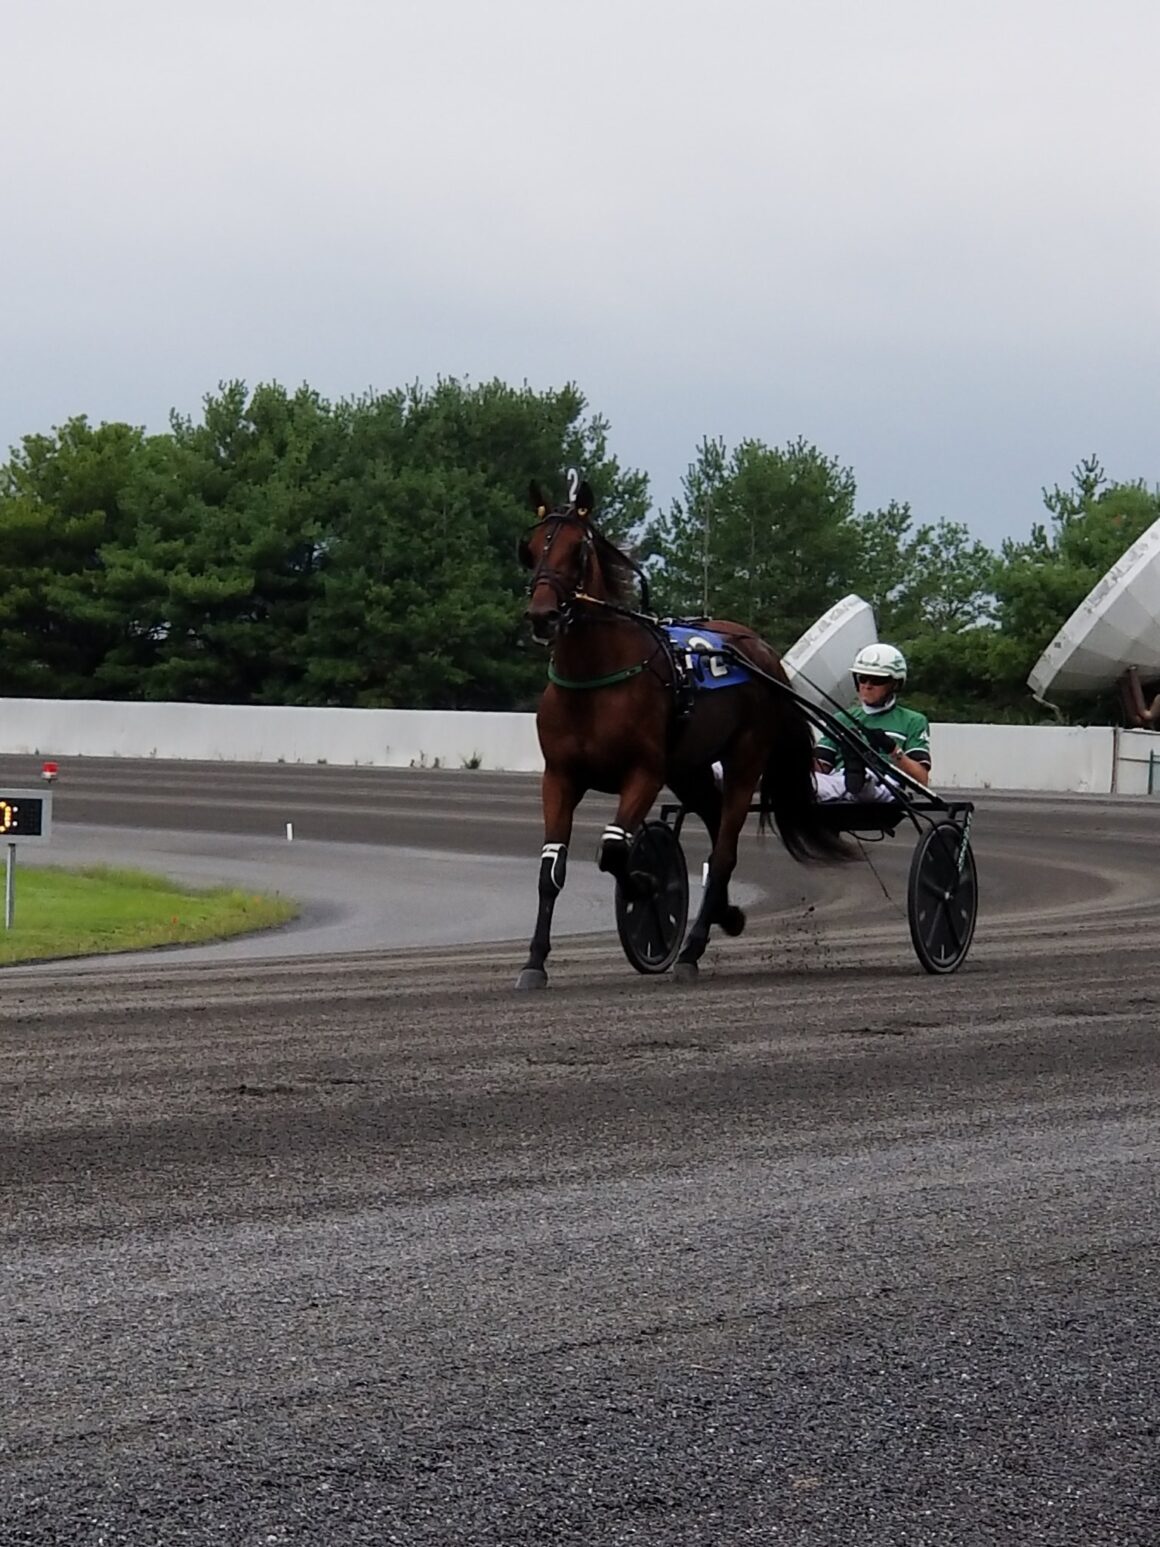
x=944, y=583
x=771, y=538
x=416, y=607
x=973, y=624
x=421, y=600
x=214, y=581
x=937, y=608
x=61, y=502
x=761, y=535
x=284, y=549
x=1040, y=582
x=879, y=571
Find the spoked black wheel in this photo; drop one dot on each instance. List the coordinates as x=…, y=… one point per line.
x=651, y=921
x=942, y=899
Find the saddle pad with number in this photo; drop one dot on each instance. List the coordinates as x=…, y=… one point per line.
x=696, y=648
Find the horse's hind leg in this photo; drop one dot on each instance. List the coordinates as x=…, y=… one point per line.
x=699, y=792
x=560, y=799
x=715, y=905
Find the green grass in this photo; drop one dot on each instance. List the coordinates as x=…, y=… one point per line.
x=98, y=909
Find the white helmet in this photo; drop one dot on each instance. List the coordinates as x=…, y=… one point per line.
x=880, y=660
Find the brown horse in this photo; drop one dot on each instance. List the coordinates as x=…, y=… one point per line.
x=610, y=719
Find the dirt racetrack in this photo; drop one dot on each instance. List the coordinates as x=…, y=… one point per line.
x=365, y=1248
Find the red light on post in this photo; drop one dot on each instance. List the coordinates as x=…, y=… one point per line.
x=48, y=772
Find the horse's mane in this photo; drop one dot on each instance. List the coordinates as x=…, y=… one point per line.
x=621, y=575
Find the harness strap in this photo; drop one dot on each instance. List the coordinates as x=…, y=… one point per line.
x=594, y=682
x=651, y=625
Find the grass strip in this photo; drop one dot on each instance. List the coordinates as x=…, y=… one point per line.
x=100, y=909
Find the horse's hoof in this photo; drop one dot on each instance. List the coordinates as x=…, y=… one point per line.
x=686, y=972
x=732, y=920
x=532, y=977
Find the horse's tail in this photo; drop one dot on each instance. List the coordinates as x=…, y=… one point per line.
x=788, y=794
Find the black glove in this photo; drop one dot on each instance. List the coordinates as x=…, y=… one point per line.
x=879, y=740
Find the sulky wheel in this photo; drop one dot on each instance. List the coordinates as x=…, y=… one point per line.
x=651, y=912
x=942, y=898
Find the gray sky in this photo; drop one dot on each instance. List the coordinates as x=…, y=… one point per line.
x=924, y=236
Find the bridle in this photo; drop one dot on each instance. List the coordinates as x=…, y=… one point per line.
x=567, y=592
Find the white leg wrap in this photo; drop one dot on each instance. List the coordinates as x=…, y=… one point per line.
x=557, y=856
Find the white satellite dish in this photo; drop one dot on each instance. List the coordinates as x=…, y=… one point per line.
x=819, y=664
x=1117, y=625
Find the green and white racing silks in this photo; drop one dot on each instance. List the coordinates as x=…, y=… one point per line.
x=907, y=729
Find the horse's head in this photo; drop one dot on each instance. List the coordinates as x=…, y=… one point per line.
x=560, y=552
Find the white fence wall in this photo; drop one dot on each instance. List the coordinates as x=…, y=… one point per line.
x=999, y=757
x=384, y=738
x=1023, y=757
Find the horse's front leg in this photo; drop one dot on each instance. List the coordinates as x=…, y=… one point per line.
x=560, y=797
x=637, y=794
x=715, y=907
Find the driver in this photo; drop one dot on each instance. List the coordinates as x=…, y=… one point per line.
x=879, y=673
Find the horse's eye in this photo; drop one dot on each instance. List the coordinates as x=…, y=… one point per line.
x=525, y=552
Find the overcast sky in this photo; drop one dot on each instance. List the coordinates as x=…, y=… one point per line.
x=924, y=236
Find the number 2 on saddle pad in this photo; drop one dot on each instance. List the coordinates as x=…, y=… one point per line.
x=706, y=668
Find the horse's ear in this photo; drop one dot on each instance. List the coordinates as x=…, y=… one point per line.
x=538, y=499
x=585, y=499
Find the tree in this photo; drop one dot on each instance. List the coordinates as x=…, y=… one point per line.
x=763, y=535
x=944, y=586
x=1040, y=582
x=62, y=501
x=410, y=612
x=881, y=571
x=421, y=599
x=284, y=549
x=215, y=579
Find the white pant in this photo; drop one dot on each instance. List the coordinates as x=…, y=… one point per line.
x=832, y=786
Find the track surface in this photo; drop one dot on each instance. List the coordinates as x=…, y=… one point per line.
x=371, y=1249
